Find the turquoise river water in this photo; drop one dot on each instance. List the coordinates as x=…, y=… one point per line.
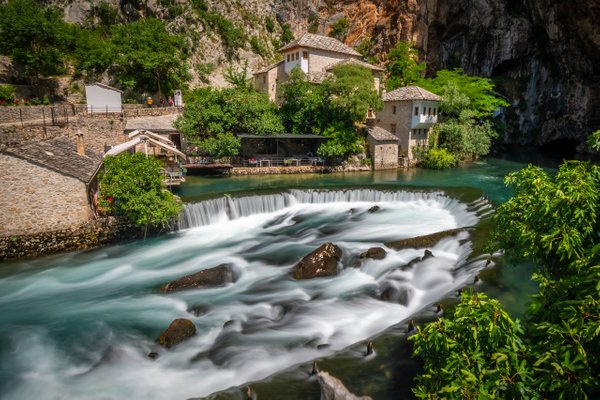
x=80, y=325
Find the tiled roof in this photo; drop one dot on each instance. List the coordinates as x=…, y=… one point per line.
x=158, y=123
x=410, y=93
x=268, y=68
x=60, y=155
x=320, y=42
x=381, y=134
x=105, y=86
x=357, y=62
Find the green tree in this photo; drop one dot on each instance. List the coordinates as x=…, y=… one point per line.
x=209, y=112
x=238, y=76
x=350, y=93
x=132, y=185
x=343, y=141
x=302, y=104
x=221, y=145
x=403, y=67
x=286, y=34
x=35, y=37
x=93, y=52
x=477, y=352
x=150, y=57
x=462, y=92
x=436, y=159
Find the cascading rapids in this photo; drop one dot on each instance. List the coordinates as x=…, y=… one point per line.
x=83, y=326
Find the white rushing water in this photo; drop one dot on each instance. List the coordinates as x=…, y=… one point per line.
x=81, y=327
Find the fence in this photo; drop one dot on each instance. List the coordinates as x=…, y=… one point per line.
x=37, y=115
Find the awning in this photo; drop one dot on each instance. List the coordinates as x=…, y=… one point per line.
x=120, y=148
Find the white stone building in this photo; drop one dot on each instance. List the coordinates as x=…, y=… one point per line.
x=409, y=113
x=316, y=56
x=103, y=98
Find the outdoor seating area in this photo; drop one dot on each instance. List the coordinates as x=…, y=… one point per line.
x=270, y=160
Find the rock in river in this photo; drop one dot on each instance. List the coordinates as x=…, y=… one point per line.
x=423, y=241
x=321, y=262
x=179, y=330
x=376, y=253
x=207, y=278
x=333, y=389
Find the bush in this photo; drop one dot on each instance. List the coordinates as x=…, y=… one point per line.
x=7, y=94
x=132, y=185
x=436, y=159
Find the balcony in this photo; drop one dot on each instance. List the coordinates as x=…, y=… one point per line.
x=423, y=121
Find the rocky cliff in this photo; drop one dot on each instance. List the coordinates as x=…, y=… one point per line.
x=544, y=55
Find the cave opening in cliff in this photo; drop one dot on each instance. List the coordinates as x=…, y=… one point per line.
x=560, y=148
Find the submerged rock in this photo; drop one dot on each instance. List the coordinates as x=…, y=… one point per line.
x=374, y=209
x=333, y=389
x=321, y=262
x=179, y=331
x=376, y=253
x=207, y=278
x=423, y=241
x=397, y=294
x=198, y=309
x=427, y=254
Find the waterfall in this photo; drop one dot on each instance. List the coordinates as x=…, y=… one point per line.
x=228, y=208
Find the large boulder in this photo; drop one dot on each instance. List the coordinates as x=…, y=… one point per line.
x=422, y=241
x=321, y=262
x=333, y=389
x=207, y=278
x=376, y=253
x=179, y=331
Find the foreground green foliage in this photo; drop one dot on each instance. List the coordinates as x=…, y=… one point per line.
x=476, y=352
x=554, y=221
x=132, y=185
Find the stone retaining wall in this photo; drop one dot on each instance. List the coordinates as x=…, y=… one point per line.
x=92, y=234
x=18, y=114
x=295, y=170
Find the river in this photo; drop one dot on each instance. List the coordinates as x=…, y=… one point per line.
x=81, y=325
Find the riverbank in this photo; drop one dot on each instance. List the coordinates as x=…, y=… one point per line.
x=312, y=169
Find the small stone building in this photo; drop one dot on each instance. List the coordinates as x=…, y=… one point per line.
x=315, y=55
x=47, y=186
x=103, y=98
x=383, y=148
x=409, y=113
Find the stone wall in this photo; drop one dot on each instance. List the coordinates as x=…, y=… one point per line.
x=94, y=233
x=384, y=155
x=35, y=199
x=17, y=115
x=296, y=170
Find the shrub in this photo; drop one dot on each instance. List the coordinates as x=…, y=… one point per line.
x=222, y=145
x=7, y=94
x=436, y=159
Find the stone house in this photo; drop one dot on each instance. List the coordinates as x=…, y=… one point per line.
x=47, y=186
x=409, y=113
x=383, y=148
x=315, y=55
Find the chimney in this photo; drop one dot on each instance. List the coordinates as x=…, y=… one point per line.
x=80, y=148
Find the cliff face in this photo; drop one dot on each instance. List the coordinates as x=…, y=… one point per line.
x=544, y=55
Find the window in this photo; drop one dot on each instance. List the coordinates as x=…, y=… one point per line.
x=429, y=111
x=394, y=110
x=393, y=128
x=297, y=55
x=416, y=110
x=264, y=79
x=288, y=58
x=435, y=111
x=305, y=55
